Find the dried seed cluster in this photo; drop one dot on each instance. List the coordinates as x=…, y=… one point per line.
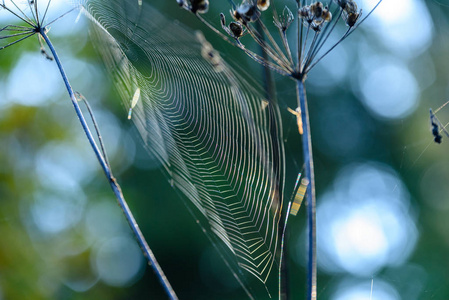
x=315, y=24
x=351, y=14
x=195, y=6
x=315, y=15
x=284, y=21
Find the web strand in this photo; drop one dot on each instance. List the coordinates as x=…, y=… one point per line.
x=206, y=125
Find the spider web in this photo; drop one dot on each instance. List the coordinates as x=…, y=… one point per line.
x=216, y=137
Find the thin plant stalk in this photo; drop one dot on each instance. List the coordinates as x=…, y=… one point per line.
x=310, y=192
x=284, y=293
x=112, y=181
x=270, y=93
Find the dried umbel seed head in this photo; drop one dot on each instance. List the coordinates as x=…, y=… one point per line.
x=316, y=9
x=199, y=6
x=236, y=29
x=262, y=5
x=194, y=6
x=351, y=14
x=351, y=7
x=283, y=21
x=315, y=15
x=246, y=13
x=306, y=14
x=352, y=18
x=325, y=16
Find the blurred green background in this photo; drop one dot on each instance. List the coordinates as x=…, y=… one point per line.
x=383, y=205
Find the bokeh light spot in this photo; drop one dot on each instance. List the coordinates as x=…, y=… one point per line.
x=390, y=90
x=118, y=261
x=104, y=219
x=374, y=289
x=54, y=212
x=364, y=222
x=403, y=26
x=40, y=78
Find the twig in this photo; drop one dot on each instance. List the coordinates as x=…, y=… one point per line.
x=114, y=185
x=80, y=97
x=283, y=270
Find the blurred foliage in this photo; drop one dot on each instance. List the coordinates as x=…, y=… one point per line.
x=45, y=265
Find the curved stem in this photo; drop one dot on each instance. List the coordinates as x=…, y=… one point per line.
x=97, y=130
x=310, y=194
x=113, y=182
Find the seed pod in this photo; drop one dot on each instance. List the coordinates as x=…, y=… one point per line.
x=352, y=18
x=327, y=15
x=222, y=20
x=351, y=7
x=262, y=5
x=317, y=9
x=306, y=14
x=199, y=6
x=246, y=13
x=284, y=20
x=236, y=29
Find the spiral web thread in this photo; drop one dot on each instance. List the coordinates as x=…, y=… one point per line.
x=211, y=130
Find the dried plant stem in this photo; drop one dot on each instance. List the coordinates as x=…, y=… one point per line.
x=112, y=181
x=310, y=194
x=270, y=93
